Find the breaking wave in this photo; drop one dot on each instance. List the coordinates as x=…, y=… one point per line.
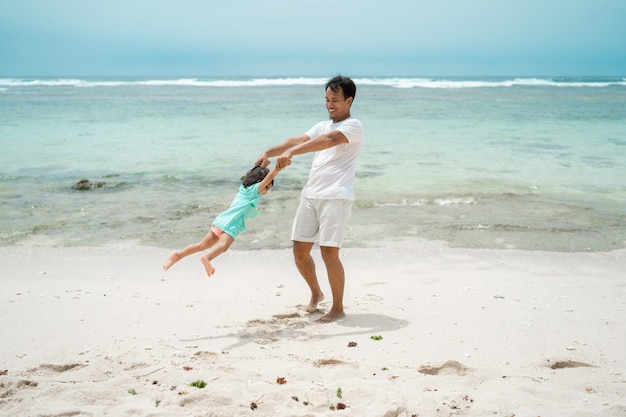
x=394, y=82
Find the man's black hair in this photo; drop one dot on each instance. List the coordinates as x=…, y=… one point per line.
x=346, y=84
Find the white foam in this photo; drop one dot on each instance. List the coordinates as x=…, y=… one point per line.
x=453, y=201
x=395, y=82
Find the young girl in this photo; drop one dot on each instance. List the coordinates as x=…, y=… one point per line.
x=227, y=225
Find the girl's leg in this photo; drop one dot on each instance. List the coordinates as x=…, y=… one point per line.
x=222, y=245
x=206, y=242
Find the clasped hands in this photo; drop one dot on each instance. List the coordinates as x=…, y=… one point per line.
x=283, y=161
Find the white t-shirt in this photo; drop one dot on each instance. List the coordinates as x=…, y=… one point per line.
x=333, y=169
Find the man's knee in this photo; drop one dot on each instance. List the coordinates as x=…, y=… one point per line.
x=329, y=253
x=301, y=250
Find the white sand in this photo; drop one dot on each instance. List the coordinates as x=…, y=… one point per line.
x=104, y=331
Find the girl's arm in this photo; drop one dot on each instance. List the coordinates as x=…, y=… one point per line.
x=269, y=177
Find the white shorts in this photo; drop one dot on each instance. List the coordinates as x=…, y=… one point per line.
x=326, y=219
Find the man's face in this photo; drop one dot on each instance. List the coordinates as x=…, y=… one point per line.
x=338, y=107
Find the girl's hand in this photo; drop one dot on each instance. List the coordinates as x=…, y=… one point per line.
x=284, y=160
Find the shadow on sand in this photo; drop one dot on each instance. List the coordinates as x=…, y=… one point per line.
x=297, y=327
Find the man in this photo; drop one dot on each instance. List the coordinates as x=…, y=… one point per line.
x=327, y=198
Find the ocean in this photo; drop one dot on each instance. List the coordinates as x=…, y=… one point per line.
x=499, y=162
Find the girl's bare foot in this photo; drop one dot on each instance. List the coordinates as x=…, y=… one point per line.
x=312, y=307
x=174, y=257
x=207, y=266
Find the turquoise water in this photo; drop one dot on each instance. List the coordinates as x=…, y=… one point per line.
x=534, y=163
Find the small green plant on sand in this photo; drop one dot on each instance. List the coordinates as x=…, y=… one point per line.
x=198, y=384
x=376, y=338
x=339, y=392
x=132, y=391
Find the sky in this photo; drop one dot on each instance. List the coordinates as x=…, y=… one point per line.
x=312, y=37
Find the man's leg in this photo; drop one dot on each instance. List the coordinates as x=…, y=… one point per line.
x=306, y=267
x=336, y=277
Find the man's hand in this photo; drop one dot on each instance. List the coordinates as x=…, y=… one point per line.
x=262, y=160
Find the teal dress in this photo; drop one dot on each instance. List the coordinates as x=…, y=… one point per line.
x=233, y=220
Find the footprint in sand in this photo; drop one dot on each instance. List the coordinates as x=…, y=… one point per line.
x=136, y=365
x=269, y=331
x=25, y=383
x=286, y=316
x=47, y=368
x=329, y=362
x=570, y=364
x=449, y=368
x=264, y=332
x=203, y=354
x=8, y=389
x=206, y=399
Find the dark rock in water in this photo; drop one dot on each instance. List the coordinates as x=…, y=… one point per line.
x=85, y=184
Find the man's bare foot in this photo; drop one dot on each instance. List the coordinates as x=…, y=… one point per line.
x=312, y=307
x=174, y=257
x=331, y=316
x=207, y=266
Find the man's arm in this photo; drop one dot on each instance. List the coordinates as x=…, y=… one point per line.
x=325, y=141
x=263, y=159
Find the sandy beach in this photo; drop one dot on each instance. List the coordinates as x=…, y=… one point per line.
x=429, y=331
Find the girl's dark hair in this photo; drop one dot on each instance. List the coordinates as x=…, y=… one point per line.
x=344, y=83
x=255, y=175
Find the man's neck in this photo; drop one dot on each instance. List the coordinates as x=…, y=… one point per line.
x=341, y=119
